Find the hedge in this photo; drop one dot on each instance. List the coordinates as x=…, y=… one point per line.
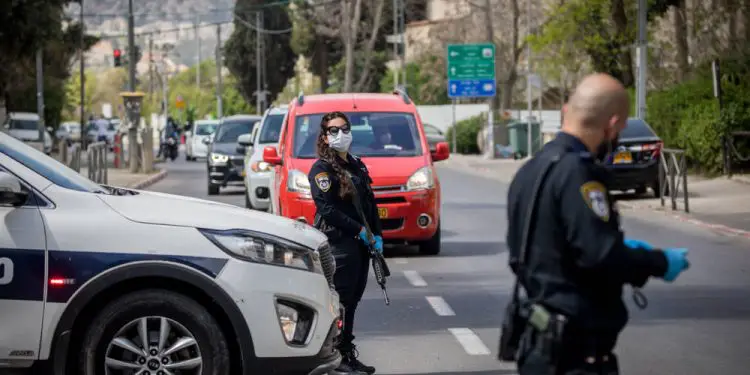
x=466, y=135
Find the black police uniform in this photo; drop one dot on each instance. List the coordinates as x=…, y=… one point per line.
x=576, y=264
x=340, y=221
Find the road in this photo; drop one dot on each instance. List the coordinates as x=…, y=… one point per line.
x=445, y=311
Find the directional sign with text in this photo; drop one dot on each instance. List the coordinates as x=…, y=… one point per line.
x=471, y=70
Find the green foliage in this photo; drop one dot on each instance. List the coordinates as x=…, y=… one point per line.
x=421, y=84
x=239, y=50
x=466, y=134
x=377, y=70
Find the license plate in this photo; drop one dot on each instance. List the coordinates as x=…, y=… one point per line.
x=624, y=157
x=242, y=173
x=382, y=212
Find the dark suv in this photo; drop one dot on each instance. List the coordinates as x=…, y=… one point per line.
x=225, y=163
x=635, y=161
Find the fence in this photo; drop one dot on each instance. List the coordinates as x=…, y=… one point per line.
x=672, y=176
x=731, y=153
x=97, y=162
x=70, y=156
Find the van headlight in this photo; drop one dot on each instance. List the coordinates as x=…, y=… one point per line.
x=219, y=158
x=265, y=248
x=298, y=182
x=260, y=166
x=422, y=179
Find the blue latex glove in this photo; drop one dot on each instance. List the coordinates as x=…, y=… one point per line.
x=676, y=263
x=363, y=236
x=637, y=244
x=379, y=244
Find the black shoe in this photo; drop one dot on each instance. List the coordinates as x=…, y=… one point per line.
x=350, y=359
x=345, y=369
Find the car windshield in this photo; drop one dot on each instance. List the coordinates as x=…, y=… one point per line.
x=205, y=129
x=229, y=131
x=73, y=127
x=49, y=168
x=374, y=134
x=271, y=129
x=17, y=124
x=637, y=129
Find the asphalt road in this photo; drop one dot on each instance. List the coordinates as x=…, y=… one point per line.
x=445, y=311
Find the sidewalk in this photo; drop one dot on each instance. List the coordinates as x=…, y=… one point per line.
x=720, y=204
x=123, y=178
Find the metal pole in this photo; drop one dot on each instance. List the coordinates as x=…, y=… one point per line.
x=82, y=61
x=528, y=78
x=642, y=59
x=198, y=64
x=455, y=129
x=40, y=93
x=402, y=31
x=396, y=54
x=131, y=47
x=219, y=89
x=257, y=64
x=150, y=64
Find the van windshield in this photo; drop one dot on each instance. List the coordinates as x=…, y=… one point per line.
x=374, y=134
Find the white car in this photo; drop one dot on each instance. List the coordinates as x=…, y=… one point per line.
x=195, y=144
x=70, y=131
x=96, y=278
x=258, y=173
x=25, y=126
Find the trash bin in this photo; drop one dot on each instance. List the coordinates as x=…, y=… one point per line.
x=519, y=141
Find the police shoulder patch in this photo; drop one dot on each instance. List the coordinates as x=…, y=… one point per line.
x=595, y=196
x=323, y=181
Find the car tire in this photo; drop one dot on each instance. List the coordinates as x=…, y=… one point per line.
x=213, y=189
x=431, y=246
x=189, y=324
x=640, y=190
x=656, y=187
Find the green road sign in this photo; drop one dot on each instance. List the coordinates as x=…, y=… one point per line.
x=471, y=61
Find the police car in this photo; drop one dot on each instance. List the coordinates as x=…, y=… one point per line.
x=103, y=280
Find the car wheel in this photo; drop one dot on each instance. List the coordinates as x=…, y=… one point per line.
x=431, y=246
x=154, y=332
x=640, y=190
x=213, y=189
x=248, y=203
x=656, y=187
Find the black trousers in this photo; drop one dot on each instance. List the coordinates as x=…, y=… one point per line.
x=350, y=279
x=575, y=357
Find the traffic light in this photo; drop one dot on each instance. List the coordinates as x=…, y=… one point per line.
x=118, y=57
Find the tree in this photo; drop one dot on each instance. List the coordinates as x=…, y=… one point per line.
x=240, y=48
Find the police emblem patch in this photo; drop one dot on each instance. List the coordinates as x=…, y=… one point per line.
x=595, y=196
x=323, y=181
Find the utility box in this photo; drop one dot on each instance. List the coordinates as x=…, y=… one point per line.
x=519, y=140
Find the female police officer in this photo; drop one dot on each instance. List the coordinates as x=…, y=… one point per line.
x=336, y=179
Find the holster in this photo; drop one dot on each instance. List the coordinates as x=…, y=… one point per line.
x=514, y=324
x=550, y=337
x=330, y=231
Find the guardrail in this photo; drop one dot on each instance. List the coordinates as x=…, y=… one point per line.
x=70, y=156
x=97, y=162
x=672, y=176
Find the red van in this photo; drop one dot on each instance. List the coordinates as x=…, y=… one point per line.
x=389, y=137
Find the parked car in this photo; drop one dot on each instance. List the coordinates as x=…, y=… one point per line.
x=635, y=161
x=434, y=136
x=389, y=137
x=70, y=131
x=194, y=142
x=226, y=161
x=25, y=126
x=258, y=173
x=112, y=280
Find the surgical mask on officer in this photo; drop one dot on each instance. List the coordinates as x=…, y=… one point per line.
x=340, y=139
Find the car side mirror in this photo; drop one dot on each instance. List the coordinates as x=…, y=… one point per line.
x=206, y=141
x=49, y=129
x=245, y=140
x=11, y=193
x=441, y=152
x=271, y=155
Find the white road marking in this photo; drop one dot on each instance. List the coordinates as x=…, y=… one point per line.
x=471, y=343
x=400, y=260
x=440, y=306
x=415, y=279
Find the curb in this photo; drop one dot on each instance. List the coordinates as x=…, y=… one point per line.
x=150, y=181
x=719, y=228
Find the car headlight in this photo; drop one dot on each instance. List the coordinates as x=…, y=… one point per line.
x=261, y=166
x=265, y=248
x=219, y=158
x=422, y=179
x=298, y=182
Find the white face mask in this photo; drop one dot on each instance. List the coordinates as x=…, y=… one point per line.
x=341, y=141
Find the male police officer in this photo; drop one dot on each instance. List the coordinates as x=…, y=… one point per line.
x=576, y=260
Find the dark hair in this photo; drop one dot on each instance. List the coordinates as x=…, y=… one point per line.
x=325, y=152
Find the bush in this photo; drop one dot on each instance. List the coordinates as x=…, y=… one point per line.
x=466, y=134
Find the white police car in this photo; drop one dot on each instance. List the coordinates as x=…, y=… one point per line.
x=102, y=280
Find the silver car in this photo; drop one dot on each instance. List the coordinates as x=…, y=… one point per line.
x=258, y=173
x=196, y=145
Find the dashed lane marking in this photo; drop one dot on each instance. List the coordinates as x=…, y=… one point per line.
x=471, y=343
x=415, y=279
x=440, y=306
